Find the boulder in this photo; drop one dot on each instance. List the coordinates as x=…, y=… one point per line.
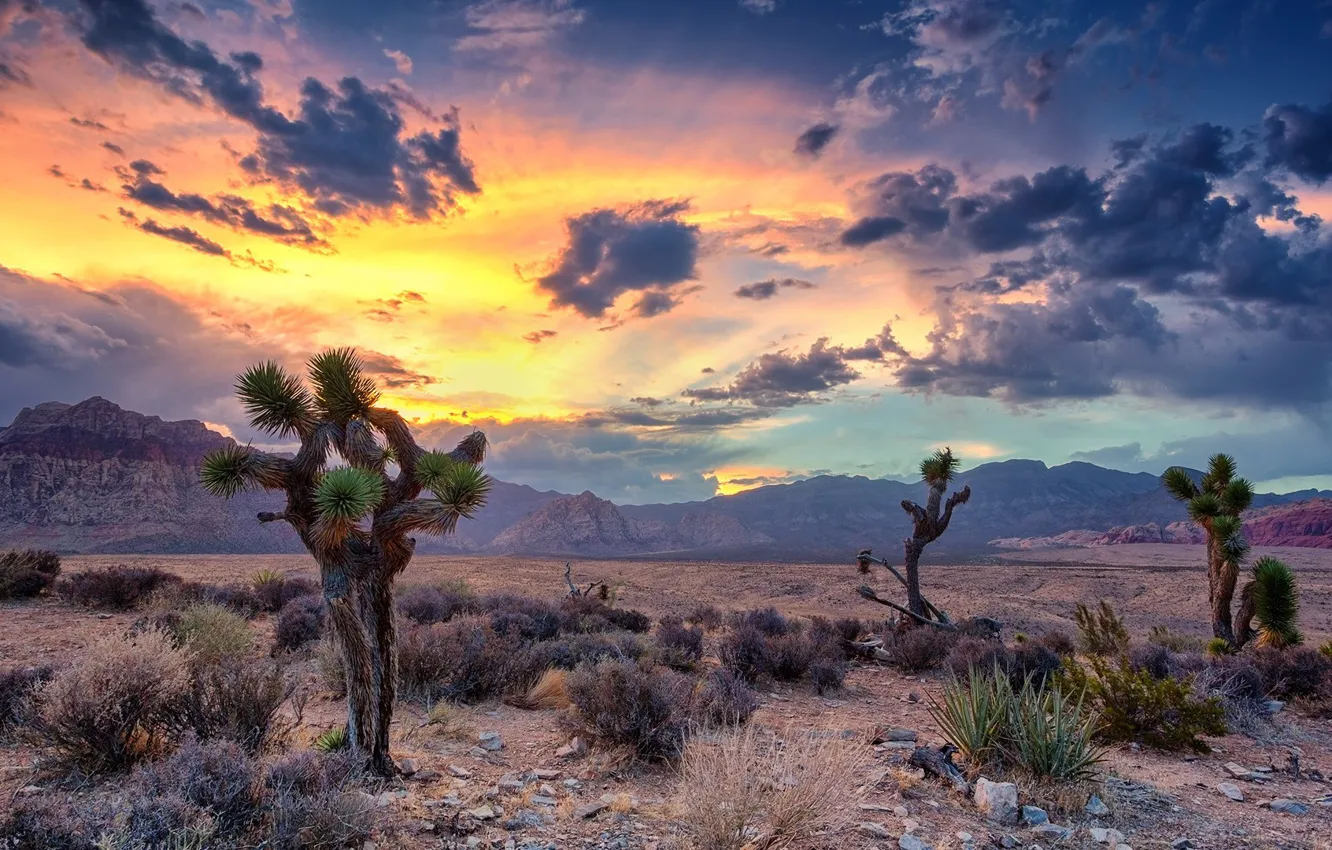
x=998, y=800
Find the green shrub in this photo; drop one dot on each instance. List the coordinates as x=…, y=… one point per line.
x=1102, y=631
x=332, y=741
x=1175, y=641
x=1162, y=714
x=1276, y=604
x=210, y=632
x=1219, y=647
x=973, y=713
x=1326, y=649
x=27, y=573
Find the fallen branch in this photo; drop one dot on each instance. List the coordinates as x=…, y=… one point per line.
x=867, y=592
x=939, y=763
x=865, y=558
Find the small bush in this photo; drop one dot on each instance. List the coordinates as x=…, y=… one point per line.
x=1239, y=687
x=979, y=654
x=679, y=646
x=1152, y=657
x=1102, y=631
x=1219, y=647
x=463, y=660
x=27, y=573
x=1276, y=604
x=274, y=590
x=1291, y=673
x=1160, y=713
x=241, y=600
x=744, y=650
x=332, y=741
x=120, y=702
x=572, y=651
x=723, y=699
x=313, y=803
x=827, y=672
x=551, y=691
x=16, y=690
x=328, y=661
x=922, y=648
x=629, y=620
x=300, y=621
x=426, y=605
x=709, y=617
x=623, y=704
x=1058, y=642
x=238, y=700
x=1326, y=649
x=767, y=621
x=217, y=777
x=45, y=821
x=115, y=588
x=791, y=655
x=1175, y=641
x=210, y=632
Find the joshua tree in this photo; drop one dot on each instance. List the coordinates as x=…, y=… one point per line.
x=1215, y=504
x=928, y=525
x=1272, y=598
x=354, y=519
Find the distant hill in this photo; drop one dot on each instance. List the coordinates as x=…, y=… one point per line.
x=92, y=477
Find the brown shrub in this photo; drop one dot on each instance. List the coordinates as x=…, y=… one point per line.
x=551, y=691
x=922, y=648
x=723, y=699
x=237, y=699
x=678, y=646
x=623, y=704
x=1296, y=672
x=709, y=617
x=300, y=621
x=464, y=660
x=16, y=690
x=27, y=573
x=425, y=605
x=115, y=588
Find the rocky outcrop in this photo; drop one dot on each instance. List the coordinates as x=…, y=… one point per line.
x=1306, y=524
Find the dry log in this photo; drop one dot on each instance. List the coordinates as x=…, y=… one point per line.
x=939, y=763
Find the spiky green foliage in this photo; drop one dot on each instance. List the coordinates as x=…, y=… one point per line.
x=433, y=467
x=346, y=494
x=1102, y=631
x=1163, y=714
x=1052, y=736
x=938, y=469
x=1276, y=603
x=462, y=489
x=1326, y=649
x=275, y=400
x=1217, y=647
x=1179, y=483
x=1231, y=545
x=342, y=391
x=332, y=741
x=227, y=471
x=1203, y=507
x=972, y=713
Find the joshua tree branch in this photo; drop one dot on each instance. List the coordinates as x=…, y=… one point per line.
x=869, y=594
x=959, y=498
x=929, y=606
x=269, y=516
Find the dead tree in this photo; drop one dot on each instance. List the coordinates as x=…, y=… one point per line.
x=602, y=591
x=353, y=519
x=928, y=524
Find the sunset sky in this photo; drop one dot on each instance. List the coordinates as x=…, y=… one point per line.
x=662, y=249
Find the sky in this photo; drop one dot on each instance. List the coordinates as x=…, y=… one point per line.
x=666, y=249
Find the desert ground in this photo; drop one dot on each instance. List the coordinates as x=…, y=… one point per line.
x=1156, y=798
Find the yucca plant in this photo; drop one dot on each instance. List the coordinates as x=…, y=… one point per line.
x=1050, y=736
x=973, y=714
x=1215, y=504
x=1276, y=604
x=332, y=741
x=356, y=519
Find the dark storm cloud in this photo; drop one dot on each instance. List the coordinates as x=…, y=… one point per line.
x=346, y=147
x=114, y=148
x=765, y=289
x=645, y=248
x=812, y=142
x=785, y=378
x=871, y=229
x=194, y=239
x=1299, y=139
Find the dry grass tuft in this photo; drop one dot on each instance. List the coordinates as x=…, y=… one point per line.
x=551, y=691
x=752, y=786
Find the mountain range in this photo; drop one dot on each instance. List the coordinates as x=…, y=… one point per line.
x=93, y=477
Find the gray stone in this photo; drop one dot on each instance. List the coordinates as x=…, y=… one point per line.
x=886, y=735
x=544, y=800
x=1034, y=816
x=1096, y=808
x=524, y=819
x=876, y=807
x=1231, y=790
x=409, y=767
x=910, y=825
x=1123, y=847
x=1101, y=835
x=1181, y=844
x=911, y=842
x=543, y=774
x=1288, y=807
x=427, y=774
x=1052, y=832
x=460, y=772
x=1238, y=771
x=874, y=830
x=1274, y=705
x=482, y=813
x=490, y=741
x=477, y=753
x=998, y=800
x=589, y=811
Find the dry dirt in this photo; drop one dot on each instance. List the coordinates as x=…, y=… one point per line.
x=1156, y=797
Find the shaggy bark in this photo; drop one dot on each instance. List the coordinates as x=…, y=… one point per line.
x=939, y=764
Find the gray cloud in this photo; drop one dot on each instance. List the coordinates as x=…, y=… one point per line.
x=812, y=142
x=765, y=289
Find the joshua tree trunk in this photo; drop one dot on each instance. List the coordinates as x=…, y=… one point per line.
x=911, y=563
x=1224, y=577
x=354, y=520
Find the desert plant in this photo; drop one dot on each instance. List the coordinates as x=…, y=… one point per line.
x=1050, y=736
x=623, y=704
x=236, y=699
x=1275, y=600
x=723, y=699
x=928, y=525
x=827, y=672
x=27, y=573
x=1175, y=641
x=744, y=650
x=550, y=691
x=1215, y=504
x=972, y=714
x=1296, y=672
x=16, y=689
x=1134, y=706
x=1102, y=631
x=119, y=703
x=116, y=588
x=300, y=621
x=464, y=660
x=749, y=786
x=210, y=632
x=241, y=600
x=678, y=646
x=709, y=617
x=425, y=605
x=1218, y=647
x=327, y=507
x=217, y=776
x=314, y=803
x=332, y=740
x=1326, y=649
x=918, y=650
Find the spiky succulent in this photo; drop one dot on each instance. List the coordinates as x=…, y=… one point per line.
x=939, y=468
x=227, y=471
x=1276, y=603
x=276, y=401
x=346, y=494
x=341, y=389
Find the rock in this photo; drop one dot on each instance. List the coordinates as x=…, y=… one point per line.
x=524, y=819
x=1232, y=791
x=547, y=790
x=103, y=616
x=1288, y=807
x=450, y=800
x=477, y=753
x=409, y=767
x=883, y=736
x=1274, y=706
x=460, y=772
x=910, y=825
x=490, y=741
x=1101, y=835
x=589, y=811
x=1009, y=842
x=876, y=807
x=511, y=783
x=1096, y=808
x=963, y=836
x=544, y=800
x=576, y=747
x=874, y=830
x=482, y=813
x=1034, y=816
x=1123, y=847
x=911, y=842
x=1052, y=832
x=1181, y=844
x=998, y=800
x=427, y=774
x=545, y=775
x=1238, y=771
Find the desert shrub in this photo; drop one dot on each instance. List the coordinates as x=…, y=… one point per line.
x=979, y=654
x=1291, y=673
x=922, y=648
x=1218, y=647
x=300, y=621
x=1238, y=686
x=210, y=632
x=827, y=672
x=723, y=699
x=314, y=805
x=1276, y=604
x=574, y=650
x=1102, y=631
x=1059, y=642
x=1160, y=713
x=629, y=619
x=329, y=664
x=26, y=573
x=537, y=619
x=115, y=588
x=767, y=621
x=791, y=655
x=241, y=600
x=425, y=605
x=119, y=703
x=678, y=646
x=236, y=699
x=332, y=740
x=623, y=704
x=841, y=633
x=525, y=626
x=463, y=660
x=972, y=712
x=217, y=777
x=1152, y=657
x=1326, y=649
x=749, y=782
x=45, y=822
x=16, y=690
x=274, y=590
x=1175, y=641
x=744, y=651
x=709, y=617
x=550, y=691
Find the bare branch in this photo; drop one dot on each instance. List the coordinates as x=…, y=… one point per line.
x=959, y=498
x=916, y=511
x=869, y=594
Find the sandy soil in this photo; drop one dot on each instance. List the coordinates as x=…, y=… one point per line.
x=1156, y=797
